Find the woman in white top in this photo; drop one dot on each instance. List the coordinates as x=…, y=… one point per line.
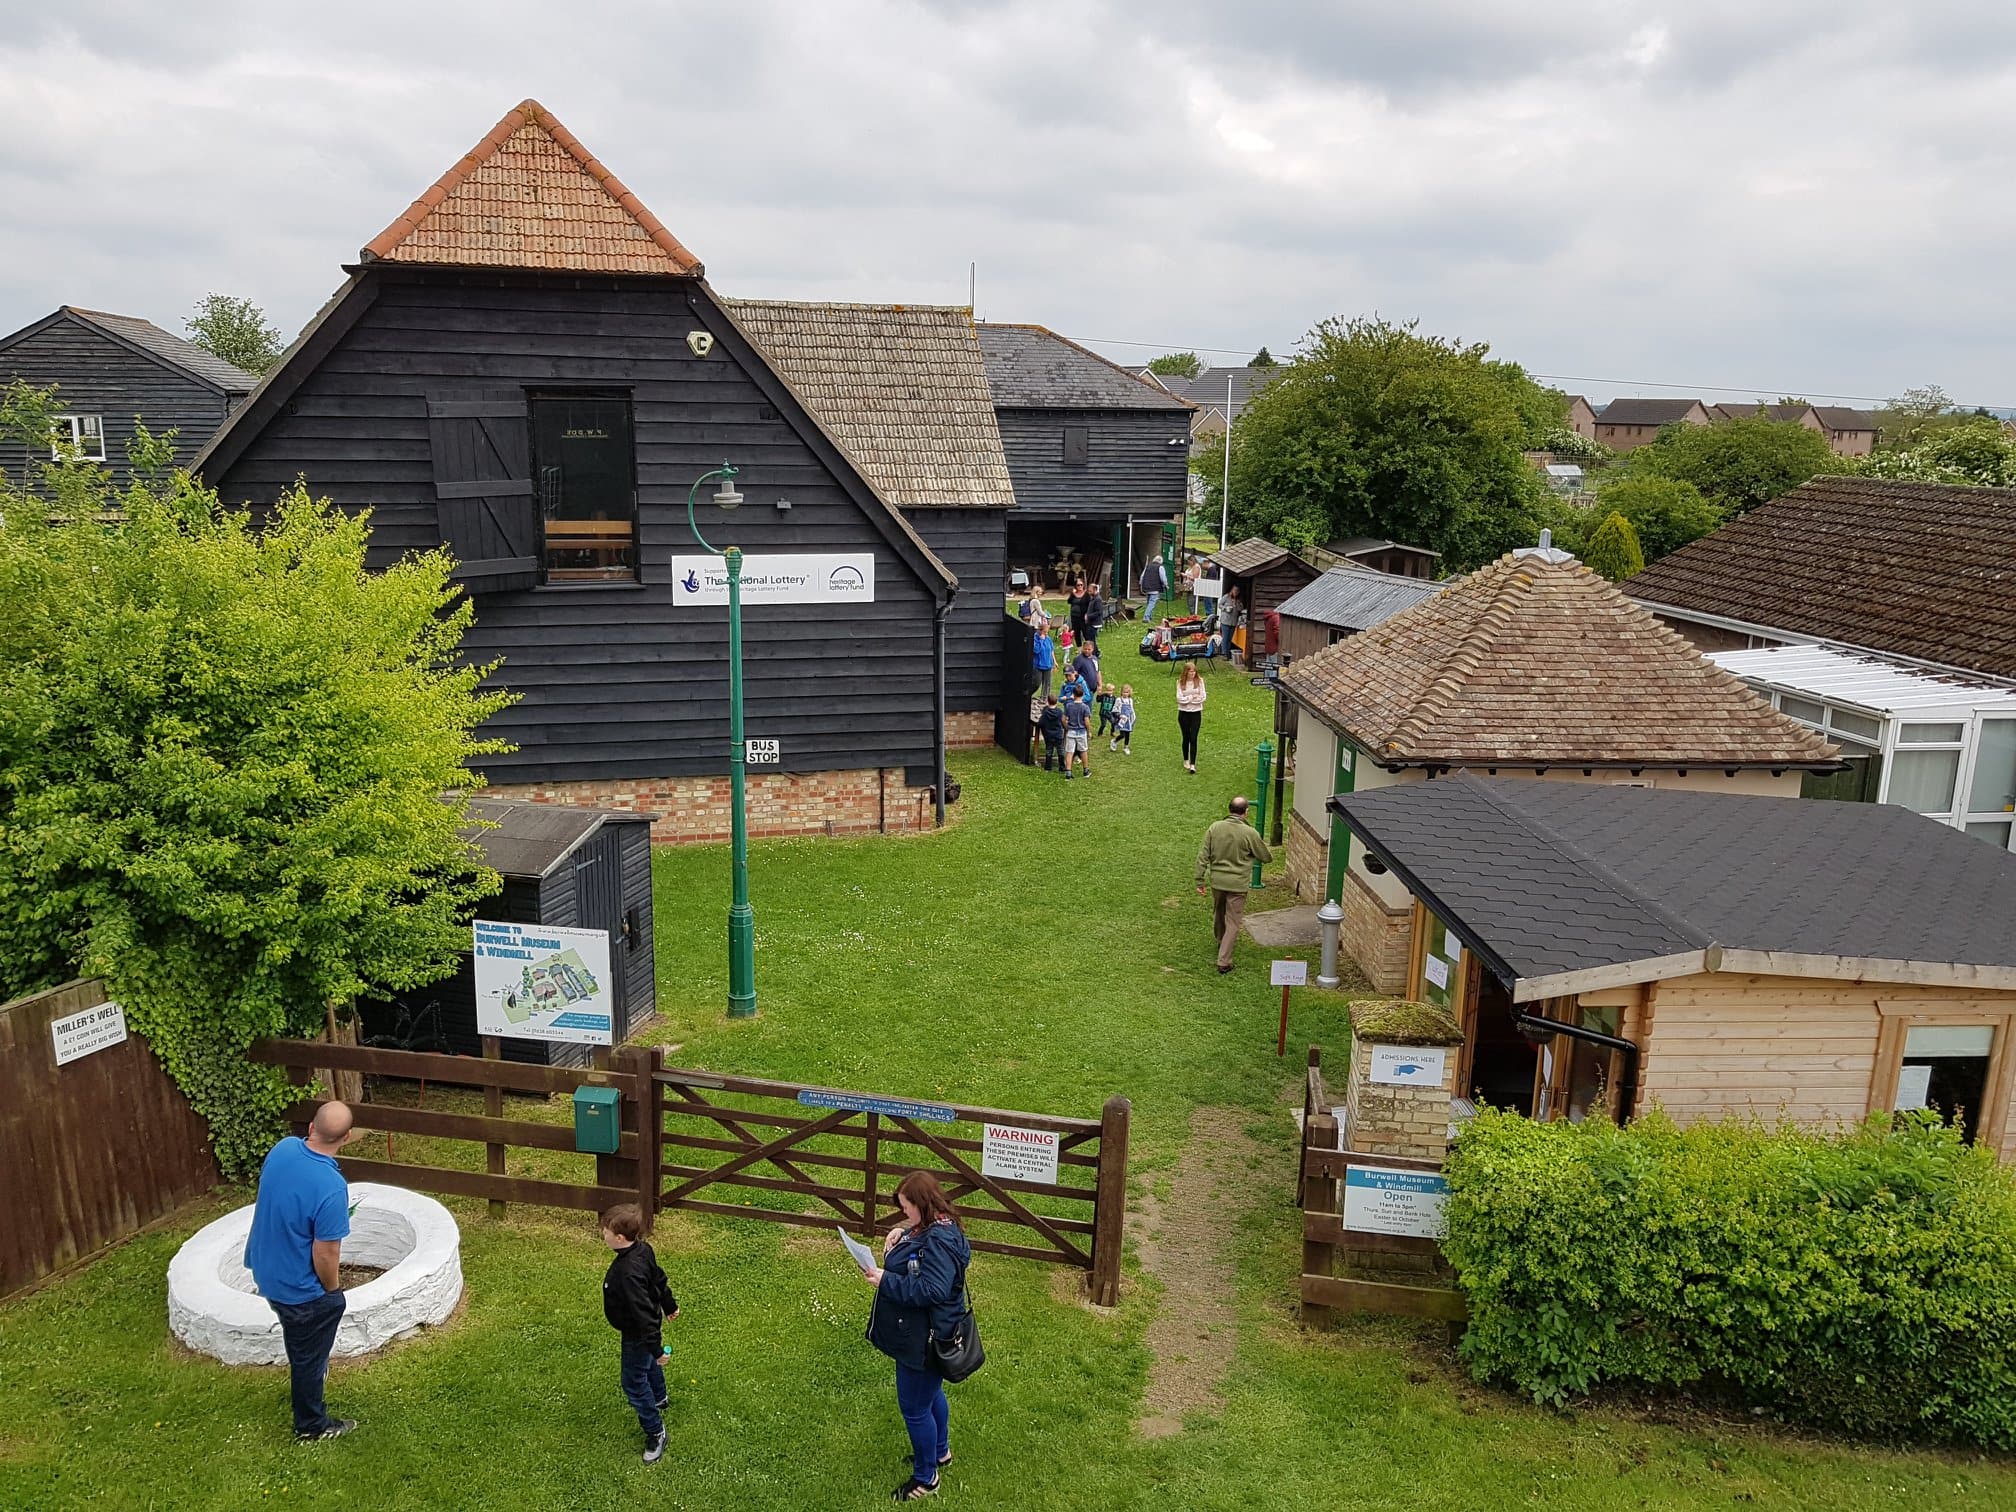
x=1190, y=695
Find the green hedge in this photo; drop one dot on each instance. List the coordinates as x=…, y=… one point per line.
x=1864, y=1282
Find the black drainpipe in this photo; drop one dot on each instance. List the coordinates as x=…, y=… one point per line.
x=1538, y=1028
x=938, y=703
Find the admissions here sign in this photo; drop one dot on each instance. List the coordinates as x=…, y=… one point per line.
x=846, y=577
x=1380, y=1200
x=539, y=982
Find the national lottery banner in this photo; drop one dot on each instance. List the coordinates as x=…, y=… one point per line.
x=539, y=982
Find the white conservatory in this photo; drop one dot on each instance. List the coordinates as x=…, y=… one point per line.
x=1941, y=743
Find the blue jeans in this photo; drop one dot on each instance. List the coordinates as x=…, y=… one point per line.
x=644, y=1385
x=920, y=1397
x=1154, y=598
x=308, y=1329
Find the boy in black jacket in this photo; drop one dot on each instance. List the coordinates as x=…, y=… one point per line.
x=637, y=1299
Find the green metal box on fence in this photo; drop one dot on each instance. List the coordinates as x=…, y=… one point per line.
x=598, y=1124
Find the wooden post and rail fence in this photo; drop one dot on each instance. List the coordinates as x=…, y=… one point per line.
x=745, y=1147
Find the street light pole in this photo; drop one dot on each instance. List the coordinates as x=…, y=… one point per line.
x=741, y=917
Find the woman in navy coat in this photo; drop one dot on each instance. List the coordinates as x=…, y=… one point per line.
x=920, y=1289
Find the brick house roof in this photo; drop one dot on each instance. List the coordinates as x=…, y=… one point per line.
x=1647, y=411
x=1834, y=417
x=529, y=195
x=903, y=388
x=1531, y=662
x=1925, y=570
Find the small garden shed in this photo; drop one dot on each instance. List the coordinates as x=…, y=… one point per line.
x=578, y=868
x=1266, y=576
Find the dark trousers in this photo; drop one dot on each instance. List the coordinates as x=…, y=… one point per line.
x=1053, y=750
x=308, y=1329
x=920, y=1397
x=1190, y=721
x=644, y=1384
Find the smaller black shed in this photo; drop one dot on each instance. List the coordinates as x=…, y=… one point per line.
x=577, y=868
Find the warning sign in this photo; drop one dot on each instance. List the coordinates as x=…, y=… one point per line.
x=1018, y=1154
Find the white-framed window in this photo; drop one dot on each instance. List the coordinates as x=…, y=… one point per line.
x=1991, y=790
x=1925, y=768
x=78, y=437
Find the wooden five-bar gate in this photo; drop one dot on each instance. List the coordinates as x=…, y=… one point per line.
x=743, y=1147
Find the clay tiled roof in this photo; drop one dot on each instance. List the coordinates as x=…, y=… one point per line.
x=529, y=195
x=903, y=388
x=1925, y=570
x=1529, y=662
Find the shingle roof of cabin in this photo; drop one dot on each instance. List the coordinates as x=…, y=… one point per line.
x=902, y=387
x=1646, y=411
x=1543, y=879
x=1925, y=570
x=1357, y=598
x=1032, y=367
x=1528, y=662
x=529, y=195
x=1244, y=558
x=151, y=340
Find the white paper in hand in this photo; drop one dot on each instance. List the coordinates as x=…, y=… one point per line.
x=863, y=1256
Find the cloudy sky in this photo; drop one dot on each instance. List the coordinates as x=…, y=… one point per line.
x=1807, y=199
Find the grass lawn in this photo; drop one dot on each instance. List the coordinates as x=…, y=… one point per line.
x=1045, y=952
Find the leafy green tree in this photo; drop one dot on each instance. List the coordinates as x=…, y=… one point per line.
x=1613, y=550
x=1376, y=429
x=1176, y=364
x=1737, y=464
x=236, y=330
x=1263, y=358
x=223, y=759
x=1972, y=449
x=1665, y=513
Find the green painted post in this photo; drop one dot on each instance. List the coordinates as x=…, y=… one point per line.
x=1262, y=769
x=1344, y=781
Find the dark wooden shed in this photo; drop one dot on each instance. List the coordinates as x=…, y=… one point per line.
x=577, y=868
x=1266, y=575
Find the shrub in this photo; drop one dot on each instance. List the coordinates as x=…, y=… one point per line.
x=1665, y=512
x=1863, y=1282
x=1613, y=549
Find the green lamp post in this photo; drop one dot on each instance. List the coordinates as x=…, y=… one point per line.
x=741, y=917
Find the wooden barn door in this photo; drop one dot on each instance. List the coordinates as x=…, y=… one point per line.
x=1018, y=685
x=483, y=487
x=598, y=904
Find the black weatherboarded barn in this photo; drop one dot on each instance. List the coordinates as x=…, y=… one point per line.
x=528, y=367
x=110, y=370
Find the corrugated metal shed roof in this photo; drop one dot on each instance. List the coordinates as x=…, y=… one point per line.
x=530, y=839
x=1867, y=682
x=1547, y=878
x=1357, y=598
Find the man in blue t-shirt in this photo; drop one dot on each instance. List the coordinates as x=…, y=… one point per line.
x=299, y=1222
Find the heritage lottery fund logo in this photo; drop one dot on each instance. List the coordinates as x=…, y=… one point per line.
x=827, y=578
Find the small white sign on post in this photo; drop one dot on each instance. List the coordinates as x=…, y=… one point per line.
x=540, y=982
x=1408, y=1065
x=1290, y=974
x=1016, y=1154
x=762, y=752
x=86, y=1033
x=1381, y=1200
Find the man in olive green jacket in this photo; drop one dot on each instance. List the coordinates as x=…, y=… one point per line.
x=1225, y=869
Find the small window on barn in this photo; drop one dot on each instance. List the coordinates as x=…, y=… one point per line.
x=77, y=438
x=584, y=458
x=1077, y=445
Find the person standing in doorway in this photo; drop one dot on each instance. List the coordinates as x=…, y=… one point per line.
x=920, y=1295
x=1078, y=607
x=1231, y=849
x=1095, y=617
x=299, y=1222
x=1042, y=661
x=1154, y=583
x=1190, y=695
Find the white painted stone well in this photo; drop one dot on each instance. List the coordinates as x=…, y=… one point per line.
x=215, y=1309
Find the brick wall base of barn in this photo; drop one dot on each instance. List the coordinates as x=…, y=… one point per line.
x=690, y=810
x=969, y=732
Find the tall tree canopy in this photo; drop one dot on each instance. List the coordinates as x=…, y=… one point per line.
x=1376, y=429
x=236, y=330
x=223, y=755
x=1176, y=364
x=1971, y=449
x=1737, y=464
x=1263, y=358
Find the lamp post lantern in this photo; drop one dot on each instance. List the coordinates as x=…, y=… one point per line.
x=741, y=917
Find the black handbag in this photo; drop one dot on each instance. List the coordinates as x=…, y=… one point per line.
x=957, y=1355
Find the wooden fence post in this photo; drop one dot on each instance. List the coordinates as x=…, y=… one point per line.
x=871, y=1189
x=1319, y=1195
x=644, y=1111
x=1109, y=1215
x=493, y=1105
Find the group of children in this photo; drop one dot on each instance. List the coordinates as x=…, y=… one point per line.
x=1063, y=723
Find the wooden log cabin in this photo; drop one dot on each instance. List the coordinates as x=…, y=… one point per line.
x=528, y=367
x=1613, y=949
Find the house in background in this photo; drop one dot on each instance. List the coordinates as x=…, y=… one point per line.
x=1921, y=571
x=1801, y=415
x=1221, y=395
x=1532, y=666
x=1608, y=949
x=110, y=370
x=1937, y=743
x=528, y=367
x=1099, y=459
x=903, y=390
x=1342, y=602
x=1379, y=555
x=1627, y=424
x=1850, y=432
x=1581, y=416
